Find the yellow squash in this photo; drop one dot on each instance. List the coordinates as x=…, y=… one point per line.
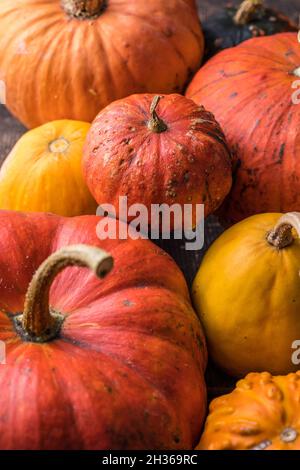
x=262, y=413
x=247, y=294
x=43, y=171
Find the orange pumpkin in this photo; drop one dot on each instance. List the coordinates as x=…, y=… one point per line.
x=95, y=364
x=70, y=58
x=262, y=413
x=250, y=89
x=157, y=151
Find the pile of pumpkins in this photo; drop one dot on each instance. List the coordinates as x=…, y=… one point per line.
x=103, y=347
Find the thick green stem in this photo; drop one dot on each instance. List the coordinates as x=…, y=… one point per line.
x=37, y=322
x=247, y=10
x=156, y=124
x=83, y=9
x=281, y=236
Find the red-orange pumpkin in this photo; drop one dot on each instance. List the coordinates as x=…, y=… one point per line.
x=69, y=58
x=251, y=89
x=115, y=363
x=154, y=152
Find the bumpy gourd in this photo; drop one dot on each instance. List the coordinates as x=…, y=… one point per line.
x=262, y=413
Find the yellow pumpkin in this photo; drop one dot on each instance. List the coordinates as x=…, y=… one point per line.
x=247, y=294
x=43, y=171
x=262, y=413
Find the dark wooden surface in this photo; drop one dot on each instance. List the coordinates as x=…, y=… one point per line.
x=11, y=130
x=289, y=7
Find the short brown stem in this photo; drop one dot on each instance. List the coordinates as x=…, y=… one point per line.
x=281, y=236
x=247, y=10
x=83, y=9
x=37, y=322
x=156, y=124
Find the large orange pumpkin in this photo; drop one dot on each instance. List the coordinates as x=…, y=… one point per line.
x=250, y=89
x=157, y=152
x=69, y=58
x=113, y=364
x=262, y=413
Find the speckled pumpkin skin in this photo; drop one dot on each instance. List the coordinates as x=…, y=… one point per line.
x=189, y=163
x=261, y=413
x=249, y=90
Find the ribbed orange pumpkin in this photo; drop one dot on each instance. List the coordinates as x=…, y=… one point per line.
x=94, y=364
x=69, y=58
x=262, y=413
x=249, y=89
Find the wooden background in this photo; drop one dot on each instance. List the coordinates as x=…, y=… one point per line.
x=289, y=7
x=11, y=130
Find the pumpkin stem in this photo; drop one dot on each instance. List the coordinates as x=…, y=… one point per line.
x=281, y=236
x=38, y=323
x=84, y=9
x=156, y=124
x=246, y=11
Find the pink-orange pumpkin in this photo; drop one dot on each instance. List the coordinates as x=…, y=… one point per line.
x=116, y=363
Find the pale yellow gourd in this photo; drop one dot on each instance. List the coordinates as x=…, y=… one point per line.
x=247, y=294
x=43, y=171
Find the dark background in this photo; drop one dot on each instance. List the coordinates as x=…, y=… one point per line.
x=289, y=7
x=11, y=130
